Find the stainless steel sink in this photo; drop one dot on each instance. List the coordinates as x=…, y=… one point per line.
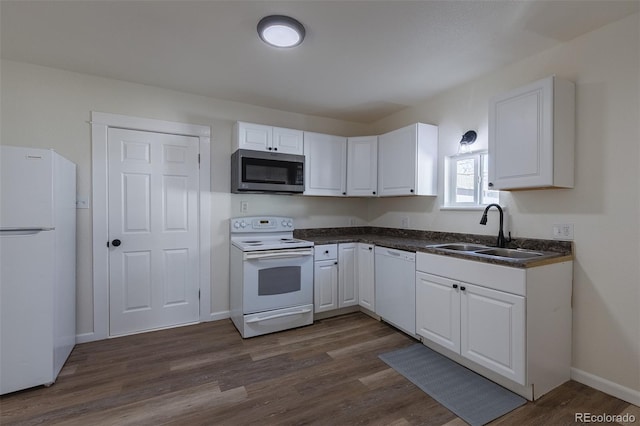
x=460, y=247
x=511, y=253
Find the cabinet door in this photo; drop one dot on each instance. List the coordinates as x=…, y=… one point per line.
x=325, y=285
x=253, y=136
x=493, y=330
x=362, y=166
x=287, y=141
x=397, y=162
x=365, y=277
x=347, y=270
x=438, y=310
x=521, y=137
x=325, y=170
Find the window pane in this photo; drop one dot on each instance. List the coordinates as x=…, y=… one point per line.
x=465, y=188
x=488, y=196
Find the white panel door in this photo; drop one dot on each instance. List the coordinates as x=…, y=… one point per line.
x=325, y=165
x=288, y=141
x=153, y=268
x=362, y=166
x=347, y=279
x=521, y=137
x=366, y=283
x=254, y=136
x=397, y=162
x=493, y=330
x=438, y=310
x=325, y=285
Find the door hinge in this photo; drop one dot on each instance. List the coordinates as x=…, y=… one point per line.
x=198, y=160
x=198, y=294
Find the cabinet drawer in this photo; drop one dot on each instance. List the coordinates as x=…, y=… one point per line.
x=497, y=277
x=326, y=252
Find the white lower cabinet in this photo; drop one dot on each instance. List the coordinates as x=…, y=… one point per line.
x=438, y=310
x=335, y=276
x=483, y=325
x=325, y=278
x=325, y=285
x=492, y=330
x=347, y=271
x=510, y=324
x=365, y=276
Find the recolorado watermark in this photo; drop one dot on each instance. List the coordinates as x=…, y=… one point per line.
x=604, y=418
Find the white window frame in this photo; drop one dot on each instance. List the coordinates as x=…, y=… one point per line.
x=451, y=176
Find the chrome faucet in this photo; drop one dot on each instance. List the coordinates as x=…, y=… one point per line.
x=502, y=242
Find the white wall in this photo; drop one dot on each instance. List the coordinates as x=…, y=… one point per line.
x=50, y=108
x=603, y=206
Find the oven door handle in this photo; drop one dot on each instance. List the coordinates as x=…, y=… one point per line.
x=274, y=316
x=283, y=255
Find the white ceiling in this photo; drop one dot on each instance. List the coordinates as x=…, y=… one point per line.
x=360, y=61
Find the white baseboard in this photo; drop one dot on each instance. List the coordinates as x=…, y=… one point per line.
x=92, y=336
x=624, y=393
x=86, y=337
x=216, y=316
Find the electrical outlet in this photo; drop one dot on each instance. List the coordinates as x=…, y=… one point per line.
x=244, y=206
x=405, y=222
x=563, y=231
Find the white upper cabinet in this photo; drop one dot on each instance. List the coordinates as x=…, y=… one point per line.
x=532, y=136
x=259, y=137
x=408, y=161
x=289, y=141
x=325, y=168
x=362, y=166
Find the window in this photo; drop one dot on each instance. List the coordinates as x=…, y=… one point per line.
x=467, y=181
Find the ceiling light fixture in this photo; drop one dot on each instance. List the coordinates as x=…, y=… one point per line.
x=281, y=31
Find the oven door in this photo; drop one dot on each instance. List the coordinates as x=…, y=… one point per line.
x=276, y=279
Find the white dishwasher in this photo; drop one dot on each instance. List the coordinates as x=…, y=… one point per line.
x=396, y=287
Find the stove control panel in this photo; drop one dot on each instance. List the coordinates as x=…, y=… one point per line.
x=261, y=224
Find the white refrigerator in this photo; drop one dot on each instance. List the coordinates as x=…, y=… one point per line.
x=37, y=266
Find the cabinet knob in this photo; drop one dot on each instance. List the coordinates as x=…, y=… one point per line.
x=455, y=286
x=370, y=248
x=335, y=263
x=463, y=288
x=344, y=193
x=411, y=190
x=275, y=149
x=374, y=192
x=326, y=252
x=490, y=184
x=269, y=148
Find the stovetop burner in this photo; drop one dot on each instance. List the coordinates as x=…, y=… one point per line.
x=264, y=233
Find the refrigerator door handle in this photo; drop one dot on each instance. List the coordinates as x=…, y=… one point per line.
x=23, y=231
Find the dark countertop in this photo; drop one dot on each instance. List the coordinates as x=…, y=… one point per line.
x=420, y=241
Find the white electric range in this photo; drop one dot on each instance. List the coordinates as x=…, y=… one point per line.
x=271, y=276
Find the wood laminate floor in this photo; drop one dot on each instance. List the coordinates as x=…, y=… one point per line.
x=325, y=374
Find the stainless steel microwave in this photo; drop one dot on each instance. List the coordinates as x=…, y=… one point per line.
x=258, y=171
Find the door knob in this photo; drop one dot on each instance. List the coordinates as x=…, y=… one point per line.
x=116, y=242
